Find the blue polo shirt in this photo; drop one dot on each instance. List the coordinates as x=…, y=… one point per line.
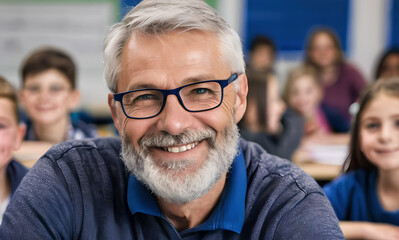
x=227, y=215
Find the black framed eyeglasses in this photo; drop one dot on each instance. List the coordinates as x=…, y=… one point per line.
x=194, y=97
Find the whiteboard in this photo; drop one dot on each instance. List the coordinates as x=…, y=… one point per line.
x=77, y=28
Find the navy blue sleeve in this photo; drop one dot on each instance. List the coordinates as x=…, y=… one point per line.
x=311, y=218
x=41, y=206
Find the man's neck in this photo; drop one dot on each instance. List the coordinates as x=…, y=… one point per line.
x=192, y=214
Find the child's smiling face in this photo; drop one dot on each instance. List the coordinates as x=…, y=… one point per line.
x=379, y=132
x=48, y=97
x=305, y=96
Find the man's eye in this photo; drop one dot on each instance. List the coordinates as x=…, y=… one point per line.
x=200, y=91
x=145, y=97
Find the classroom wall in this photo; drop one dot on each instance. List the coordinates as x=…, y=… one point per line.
x=369, y=34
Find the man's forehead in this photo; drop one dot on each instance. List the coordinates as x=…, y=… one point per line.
x=172, y=39
x=176, y=56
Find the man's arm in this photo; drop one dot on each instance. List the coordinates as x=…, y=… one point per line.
x=41, y=208
x=311, y=218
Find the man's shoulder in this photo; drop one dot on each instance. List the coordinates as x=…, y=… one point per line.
x=266, y=168
x=109, y=146
x=84, y=157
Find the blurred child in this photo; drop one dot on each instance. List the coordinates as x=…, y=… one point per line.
x=303, y=93
x=262, y=55
x=341, y=81
x=11, y=135
x=267, y=121
x=366, y=197
x=388, y=65
x=49, y=94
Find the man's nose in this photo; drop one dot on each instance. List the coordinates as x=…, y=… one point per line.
x=174, y=119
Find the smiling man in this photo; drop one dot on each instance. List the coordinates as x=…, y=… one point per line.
x=180, y=170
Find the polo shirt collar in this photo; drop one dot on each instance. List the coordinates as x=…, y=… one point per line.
x=228, y=214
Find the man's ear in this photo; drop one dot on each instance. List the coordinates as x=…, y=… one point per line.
x=241, y=99
x=114, y=111
x=74, y=99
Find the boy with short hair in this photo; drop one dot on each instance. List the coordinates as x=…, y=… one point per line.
x=49, y=94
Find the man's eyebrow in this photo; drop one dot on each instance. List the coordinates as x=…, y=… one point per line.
x=140, y=86
x=198, y=78
x=192, y=79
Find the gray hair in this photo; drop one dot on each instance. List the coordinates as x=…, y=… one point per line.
x=162, y=16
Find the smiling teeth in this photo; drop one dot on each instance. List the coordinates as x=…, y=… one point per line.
x=181, y=148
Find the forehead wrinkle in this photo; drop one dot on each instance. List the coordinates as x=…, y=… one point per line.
x=164, y=42
x=185, y=81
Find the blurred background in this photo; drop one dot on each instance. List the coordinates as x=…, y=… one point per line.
x=365, y=27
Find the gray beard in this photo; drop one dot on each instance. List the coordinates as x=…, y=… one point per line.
x=167, y=181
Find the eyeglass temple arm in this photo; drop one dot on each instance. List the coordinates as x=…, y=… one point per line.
x=232, y=78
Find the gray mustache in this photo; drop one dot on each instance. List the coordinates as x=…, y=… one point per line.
x=165, y=139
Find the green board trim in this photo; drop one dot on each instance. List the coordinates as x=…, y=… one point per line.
x=212, y=3
x=115, y=3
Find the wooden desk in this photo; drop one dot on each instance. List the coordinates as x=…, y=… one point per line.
x=322, y=162
x=30, y=152
x=320, y=171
